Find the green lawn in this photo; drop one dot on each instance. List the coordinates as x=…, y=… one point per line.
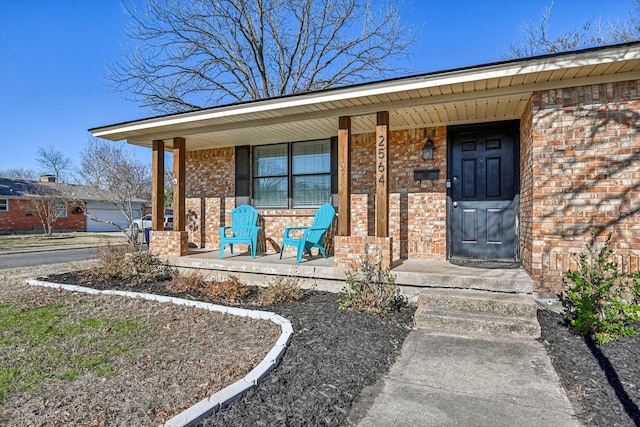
x=21, y=241
x=39, y=344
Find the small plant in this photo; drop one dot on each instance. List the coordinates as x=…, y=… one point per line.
x=602, y=301
x=230, y=289
x=186, y=281
x=279, y=290
x=126, y=263
x=371, y=289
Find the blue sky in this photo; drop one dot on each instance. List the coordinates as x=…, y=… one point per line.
x=54, y=56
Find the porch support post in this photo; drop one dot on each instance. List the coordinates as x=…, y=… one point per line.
x=344, y=176
x=157, y=186
x=179, y=179
x=382, y=174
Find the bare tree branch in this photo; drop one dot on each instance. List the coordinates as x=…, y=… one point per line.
x=538, y=40
x=191, y=54
x=54, y=162
x=117, y=177
x=19, y=173
x=48, y=204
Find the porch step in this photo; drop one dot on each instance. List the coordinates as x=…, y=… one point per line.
x=443, y=274
x=477, y=313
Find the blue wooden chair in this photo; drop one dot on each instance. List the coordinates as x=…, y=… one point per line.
x=243, y=230
x=311, y=236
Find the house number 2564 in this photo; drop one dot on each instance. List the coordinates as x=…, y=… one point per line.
x=382, y=155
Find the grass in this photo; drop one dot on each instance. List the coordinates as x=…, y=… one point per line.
x=21, y=241
x=42, y=344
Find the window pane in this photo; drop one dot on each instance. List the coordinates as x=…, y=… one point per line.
x=61, y=208
x=311, y=157
x=311, y=190
x=270, y=192
x=270, y=160
x=4, y=205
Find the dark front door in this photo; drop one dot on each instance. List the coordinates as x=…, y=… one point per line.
x=483, y=177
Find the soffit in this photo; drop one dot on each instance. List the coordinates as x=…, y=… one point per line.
x=493, y=92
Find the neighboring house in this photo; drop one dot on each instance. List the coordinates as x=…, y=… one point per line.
x=512, y=161
x=17, y=211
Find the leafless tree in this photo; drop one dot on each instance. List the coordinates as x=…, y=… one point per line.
x=537, y=37
x=48, y=204
x=194, y=53
x=19, y=173
x=115, y=176
x=54, y=162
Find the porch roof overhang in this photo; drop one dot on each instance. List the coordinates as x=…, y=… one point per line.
x=497, y=91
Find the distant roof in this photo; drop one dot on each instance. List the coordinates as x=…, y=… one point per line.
x=21, y=188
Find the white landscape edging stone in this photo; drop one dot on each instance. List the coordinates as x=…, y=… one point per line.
x=229, y=394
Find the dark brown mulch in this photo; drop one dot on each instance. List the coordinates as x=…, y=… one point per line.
x=332, y=356
x=602, y=382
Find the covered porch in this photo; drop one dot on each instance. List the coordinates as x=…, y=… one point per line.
x=395, y=189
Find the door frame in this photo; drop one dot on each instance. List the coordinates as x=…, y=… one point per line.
x=506, y=125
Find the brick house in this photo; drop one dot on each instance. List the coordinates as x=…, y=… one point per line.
x=508, y=162
x=18, y=213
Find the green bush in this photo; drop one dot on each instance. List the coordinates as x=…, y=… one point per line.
x=602, y=301
x=371, y=289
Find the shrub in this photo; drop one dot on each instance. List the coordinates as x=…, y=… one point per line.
x=186, y=281
x=602, y=301
x=145, y=267
x=279, y=290
x=371, y=289
x=110, y=263
x=126, y=263
x=230, y=289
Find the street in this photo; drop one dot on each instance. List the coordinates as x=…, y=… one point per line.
x=30, y=259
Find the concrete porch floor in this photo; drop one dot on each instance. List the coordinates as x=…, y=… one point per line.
x=317, y=272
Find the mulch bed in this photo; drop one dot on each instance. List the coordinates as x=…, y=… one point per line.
x=602, y=382
x=332, y=356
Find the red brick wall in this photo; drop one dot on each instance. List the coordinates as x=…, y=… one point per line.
x=353, y=249
x=168, y=243
x=586, y=169
x=21, y=216
x=210, y=173
x=525, y=229
x=422, y=204
x=210, y=189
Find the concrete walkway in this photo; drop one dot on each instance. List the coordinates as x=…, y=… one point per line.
x=441, y=380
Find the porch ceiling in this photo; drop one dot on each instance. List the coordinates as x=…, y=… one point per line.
x=486, y=93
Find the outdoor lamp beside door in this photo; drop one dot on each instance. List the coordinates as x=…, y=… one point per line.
x=427, y=150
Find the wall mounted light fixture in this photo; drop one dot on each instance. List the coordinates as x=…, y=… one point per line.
x=427, y=150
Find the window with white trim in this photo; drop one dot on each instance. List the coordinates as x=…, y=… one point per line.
x=61, y=209
x=311, y=173
x=270, y=176
x=4, y=205
x=293, y=175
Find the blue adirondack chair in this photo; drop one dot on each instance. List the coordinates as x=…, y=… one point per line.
x=243, y=230
x=311, y=236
